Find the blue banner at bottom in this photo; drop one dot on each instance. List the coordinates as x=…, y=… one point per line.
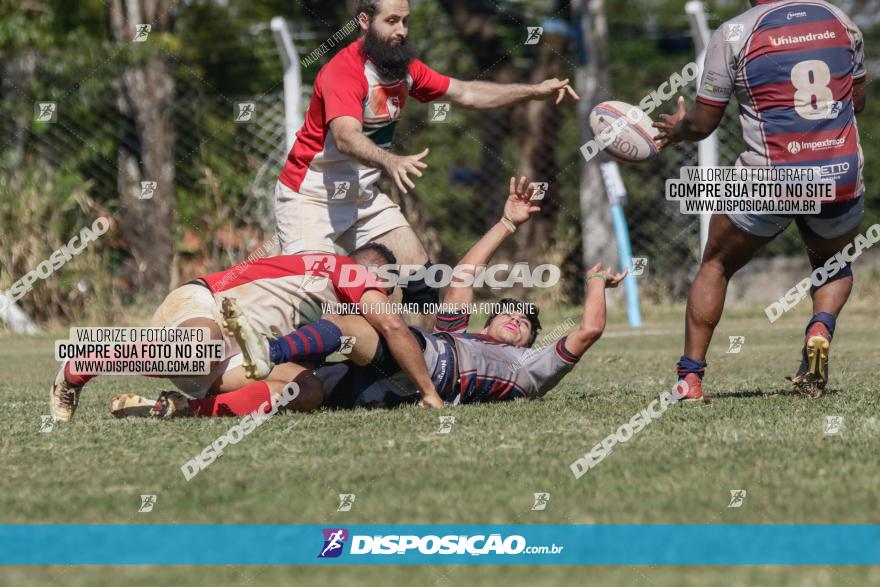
x=432, y=544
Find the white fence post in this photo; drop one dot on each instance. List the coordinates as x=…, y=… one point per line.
x=14, y=317
x=707, y=149
x=292, y=78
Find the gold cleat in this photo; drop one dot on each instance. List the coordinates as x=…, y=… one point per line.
x=63, y=397
x=171, y=404
x=130, y=405
x=811, y=380
x=254, y=347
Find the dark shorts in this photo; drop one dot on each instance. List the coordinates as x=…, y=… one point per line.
x=382, y=383
x=833, y=221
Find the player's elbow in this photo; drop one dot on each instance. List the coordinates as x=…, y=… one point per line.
x=344, y=137
x=390, y=325
x=474, y=101
x=463, y=97
x=343, y=142
x=588, y=334
x=594, y=332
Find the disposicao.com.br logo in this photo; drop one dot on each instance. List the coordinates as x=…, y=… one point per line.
x=334, y=540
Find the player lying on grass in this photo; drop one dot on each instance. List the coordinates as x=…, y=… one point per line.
x=495, y=364
x=794, y=97
x=275, y=294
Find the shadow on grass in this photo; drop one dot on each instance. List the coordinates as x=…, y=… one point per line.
x=788, y=392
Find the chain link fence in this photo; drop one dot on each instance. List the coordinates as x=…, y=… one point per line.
x=225, y=170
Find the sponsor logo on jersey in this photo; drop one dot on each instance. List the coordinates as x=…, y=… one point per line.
x=833, y=171
x=794, y=15
x=798, y=39
x=385, y=103
x=795, y=147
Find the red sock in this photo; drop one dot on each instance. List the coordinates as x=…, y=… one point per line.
x=74, y=378
x=240, y=402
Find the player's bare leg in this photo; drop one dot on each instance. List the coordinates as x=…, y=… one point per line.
x=262, y=352
x=405, y=245
x=365, y=337
x=831, y=296
x=408, y=249
x=727, y=251
x=828, y=301
x=310, y=393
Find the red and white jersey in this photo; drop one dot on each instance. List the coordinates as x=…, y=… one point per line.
x=350, y=85
x=280, y=294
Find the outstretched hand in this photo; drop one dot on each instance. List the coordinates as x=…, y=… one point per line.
x=608, y=278
x=667, y=125
x=519, y=206
x=556, y=87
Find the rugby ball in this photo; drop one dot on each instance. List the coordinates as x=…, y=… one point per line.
x=625, y=131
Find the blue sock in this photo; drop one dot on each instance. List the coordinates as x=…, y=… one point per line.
x=688, y=365
x=313, y=342
x=825, y=318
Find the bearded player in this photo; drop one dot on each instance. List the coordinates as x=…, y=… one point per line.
x=275, y=294
x=798, y=72
x=326, y=196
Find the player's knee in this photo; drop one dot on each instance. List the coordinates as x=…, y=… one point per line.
x=311, y=393
x=718, y=266
x=337, y=319
x=845, y=272
x=419, y=292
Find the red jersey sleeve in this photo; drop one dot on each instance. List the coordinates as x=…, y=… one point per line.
x=351, y=280
x=343, y=90
x=427, y=84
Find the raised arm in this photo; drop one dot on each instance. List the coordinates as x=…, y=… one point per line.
x=517, y=210
x=688, y=125
x=482, y=95
x=593, y=321
x=402, y=344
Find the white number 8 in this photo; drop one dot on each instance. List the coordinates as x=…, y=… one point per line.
x=806, y=89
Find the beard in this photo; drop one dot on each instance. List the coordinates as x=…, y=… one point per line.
x=391, y=61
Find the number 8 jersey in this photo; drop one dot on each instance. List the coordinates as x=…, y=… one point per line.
x=791, y=66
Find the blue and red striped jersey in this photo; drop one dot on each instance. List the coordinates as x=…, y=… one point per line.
x=791, y=66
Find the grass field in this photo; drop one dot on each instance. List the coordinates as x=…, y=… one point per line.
x=754, y=435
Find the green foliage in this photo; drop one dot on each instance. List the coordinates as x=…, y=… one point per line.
x=222, y=52
x=41, y=210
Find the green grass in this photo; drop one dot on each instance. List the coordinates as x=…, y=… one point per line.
x=755, y=435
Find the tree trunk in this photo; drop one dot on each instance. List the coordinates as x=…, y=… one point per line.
x=594, y=86
x=537, y=133
x=146, y=92
x=17, y=78
x=478, y=26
